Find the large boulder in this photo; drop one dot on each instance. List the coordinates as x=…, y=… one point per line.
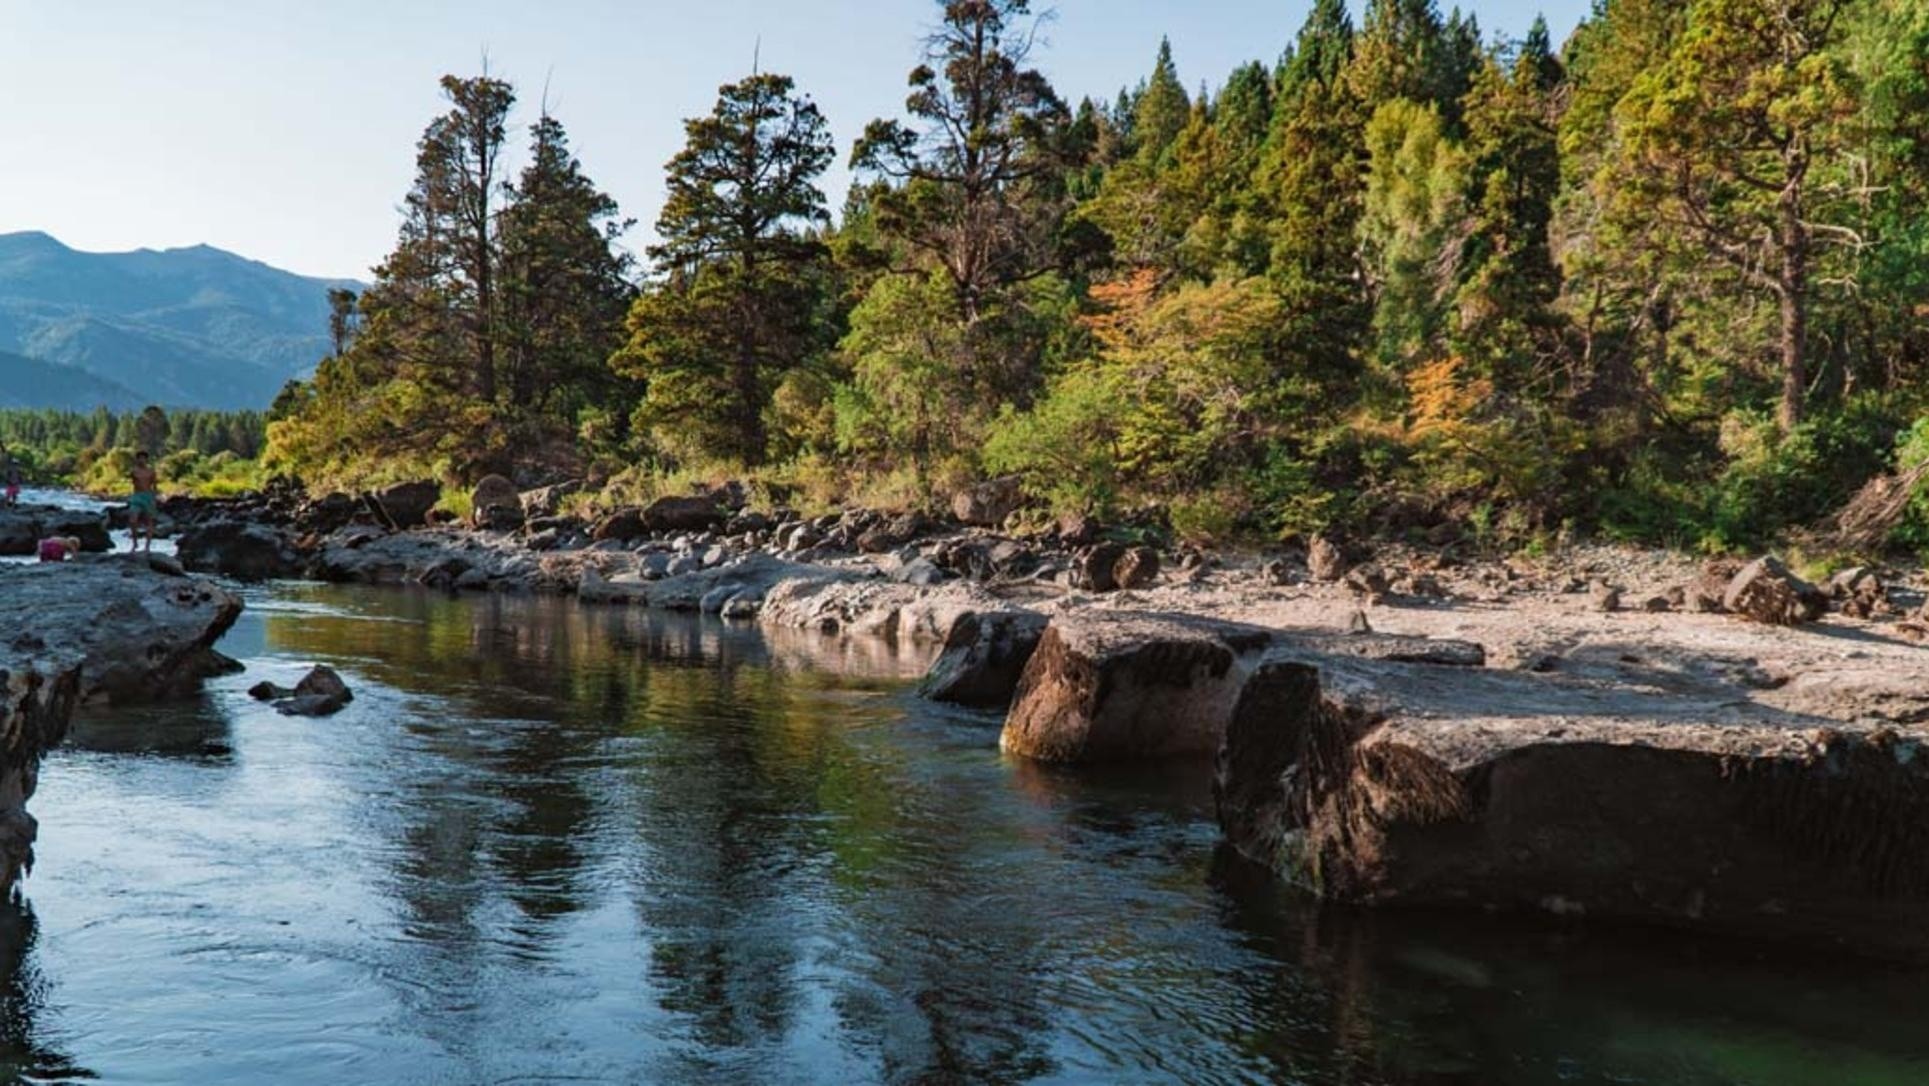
x=1325, y=560
x=1113, y=686
x=407, y=505
x=622, y=526
x=247, y=552
x=1118, y=685
x=695, y=514
x=892, y=534
x=496, y=505
x=329, y=513
x=1137, y=568
x=1095, y=568
x=988, y=504
x=1392, y=784
x=1765, y=591
x=983, y=658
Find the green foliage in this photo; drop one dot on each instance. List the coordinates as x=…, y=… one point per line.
x=1668, y=285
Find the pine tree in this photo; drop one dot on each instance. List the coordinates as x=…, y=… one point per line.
x=1726, y=144
x=1162, y=109
x=564, y=284
x=976, y=186
x=736, y=302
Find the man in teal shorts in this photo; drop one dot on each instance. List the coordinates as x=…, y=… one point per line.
x=144, y=505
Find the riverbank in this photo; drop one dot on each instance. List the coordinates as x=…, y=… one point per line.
x=1408, y=726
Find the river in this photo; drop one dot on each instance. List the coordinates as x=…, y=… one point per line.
x=554, y=843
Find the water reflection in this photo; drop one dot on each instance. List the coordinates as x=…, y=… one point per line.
x=555, y=842
x=30, y=1051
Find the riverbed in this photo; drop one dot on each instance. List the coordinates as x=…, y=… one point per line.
x=550, y=842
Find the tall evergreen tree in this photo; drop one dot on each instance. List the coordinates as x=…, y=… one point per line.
x=736, y=301
x=564, y=283
x=975, y=184
x=1162, y=109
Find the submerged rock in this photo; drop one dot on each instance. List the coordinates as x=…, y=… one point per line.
x=320, y=693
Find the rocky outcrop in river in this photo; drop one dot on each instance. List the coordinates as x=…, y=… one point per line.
x=1392, y=784
x=121, y=629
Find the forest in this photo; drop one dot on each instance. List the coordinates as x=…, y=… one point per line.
x=211, y=453
x=1667, y=281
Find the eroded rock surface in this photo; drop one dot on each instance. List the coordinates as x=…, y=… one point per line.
x=1399, y=784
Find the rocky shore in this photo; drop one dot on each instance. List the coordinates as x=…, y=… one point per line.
x=1602, y=732
x=120, y=629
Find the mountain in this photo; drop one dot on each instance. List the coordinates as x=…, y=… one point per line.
x=195, y=327
x=29, y=382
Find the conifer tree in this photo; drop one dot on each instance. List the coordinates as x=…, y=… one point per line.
x=736, y=299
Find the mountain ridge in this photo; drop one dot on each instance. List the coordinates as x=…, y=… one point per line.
x=195, y=326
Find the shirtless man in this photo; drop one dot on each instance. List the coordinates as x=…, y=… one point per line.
x=144, y=505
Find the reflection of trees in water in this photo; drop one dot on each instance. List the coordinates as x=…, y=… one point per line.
x=27, y=1053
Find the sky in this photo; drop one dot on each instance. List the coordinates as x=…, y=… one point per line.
x=284, y=130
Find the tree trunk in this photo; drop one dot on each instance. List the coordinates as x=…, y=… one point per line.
x=1792, y=292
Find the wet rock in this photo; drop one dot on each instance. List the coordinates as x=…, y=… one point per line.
x=246, y=552
x=1325, y=560
x=1095, y=569
x=693, y=514
x=496, y=505
x=406, y=505
x=983, y=658
x=267, y=691
x=320, y=693
x=1137, y=568
x=988, y=504
x=1765, y=591
x=1387, y=784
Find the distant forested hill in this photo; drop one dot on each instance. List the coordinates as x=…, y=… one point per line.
x=182, y=327
x=30, y=382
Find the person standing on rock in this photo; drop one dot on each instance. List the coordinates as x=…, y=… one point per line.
x=144, y=505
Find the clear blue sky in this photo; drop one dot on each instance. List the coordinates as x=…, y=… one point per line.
x=284, y=129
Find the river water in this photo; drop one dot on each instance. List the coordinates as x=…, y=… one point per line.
x=550, y=843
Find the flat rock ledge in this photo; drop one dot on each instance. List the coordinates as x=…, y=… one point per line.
x=1395, y=784
x=116, y=629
